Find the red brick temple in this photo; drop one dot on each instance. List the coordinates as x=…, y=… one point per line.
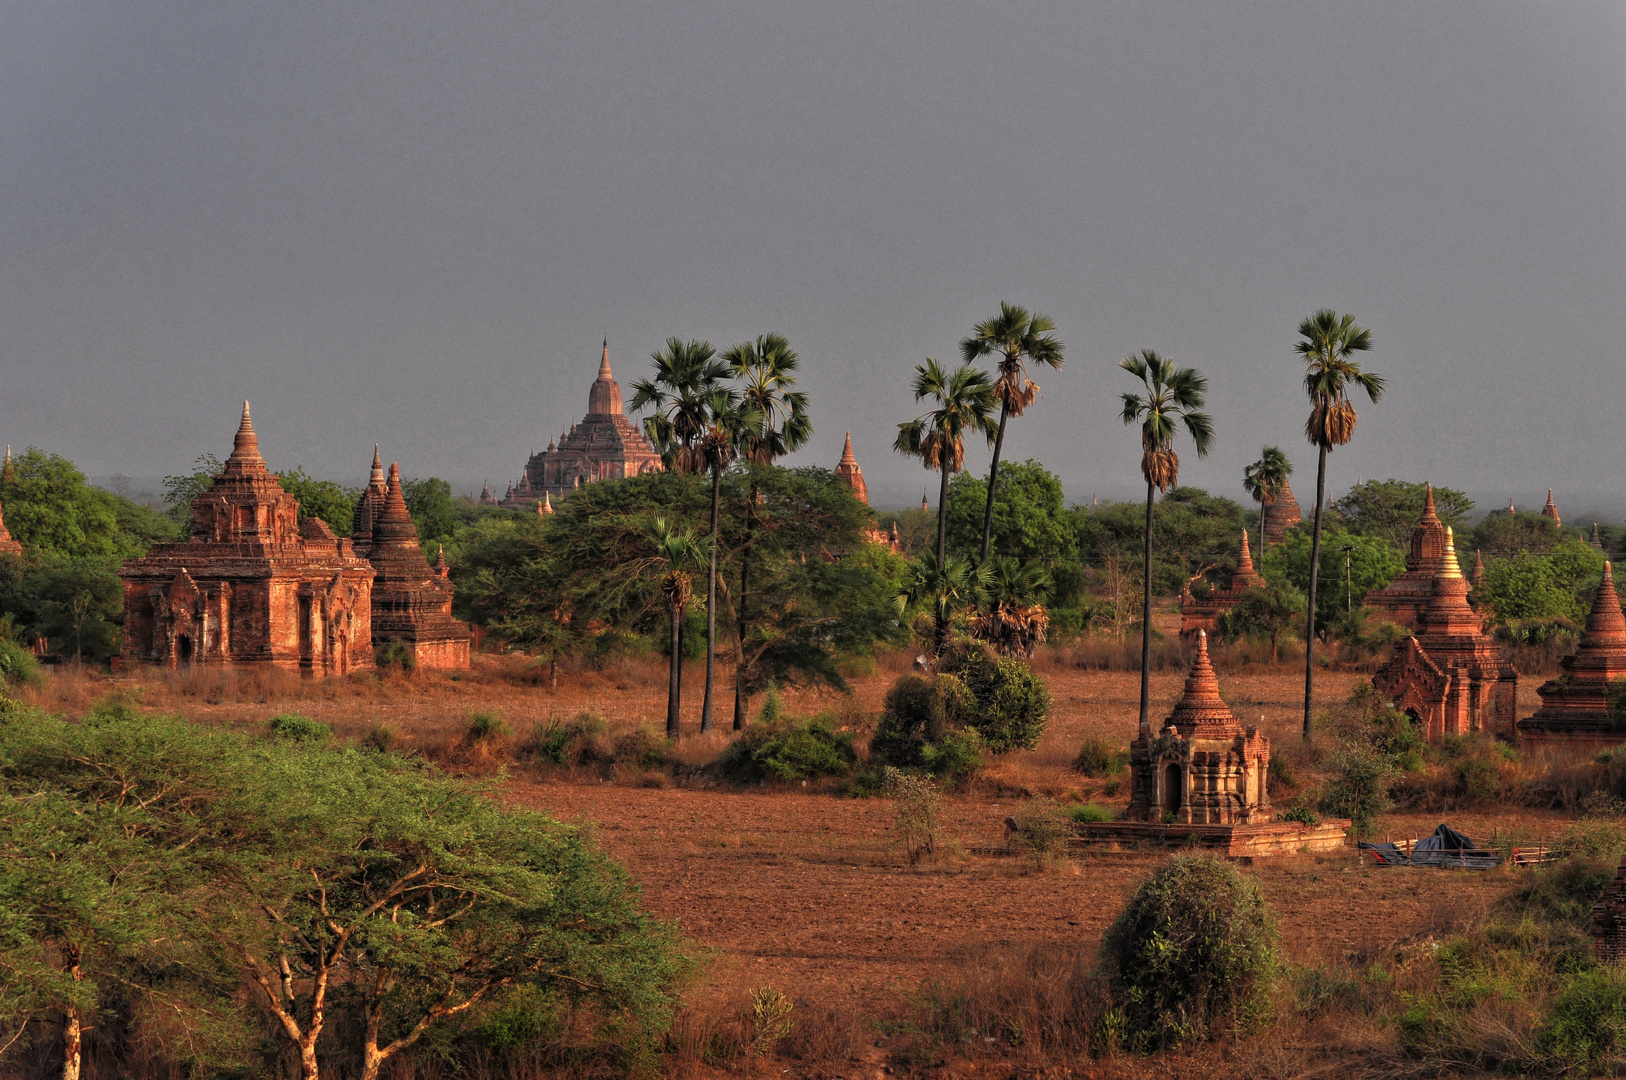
x=1404, y=598
x=8, y=545
x=1575, y=706
x=848, y=472
x=1550, y=512
x=369, y=506
x=412, y=601
x=252, y=585
x=605, y=445
x=1450, y=674
x=1202, y=614
x=1202, y=767
x=1281, y=514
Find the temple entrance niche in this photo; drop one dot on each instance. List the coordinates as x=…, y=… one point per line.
x=183, y=649
x=1171, y=789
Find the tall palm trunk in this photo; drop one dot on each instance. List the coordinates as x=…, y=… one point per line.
x=1315, y=570
x=740, y=701
x=993, y=477
x=1146, y=618
x=674, y=677
x=942, y=518
x=711, y=608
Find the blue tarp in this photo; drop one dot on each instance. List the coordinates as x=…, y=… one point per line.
x=1443, y=847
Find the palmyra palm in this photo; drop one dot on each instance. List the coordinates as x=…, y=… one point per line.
x=729, y=421
x=1265, y=480
x=965, y=406
x=685, y=373
x=677, y=553
x=1172, y=397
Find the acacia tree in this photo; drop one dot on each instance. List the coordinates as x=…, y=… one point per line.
x=965, y=406
x=1172, y=397
x=1330, y=342
x=766, y=373
x=677, y=553
x=1016, y=335
x=685, y=374
x=728, y=422
x=1264, y=480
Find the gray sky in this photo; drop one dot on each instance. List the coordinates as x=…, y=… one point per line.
x=411, y=223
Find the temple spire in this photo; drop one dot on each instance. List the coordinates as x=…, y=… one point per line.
x=605, y=396
x=1605, y=621
x=546, y=505
x=245, y=452
x=1244, y=561
x=8, y=473
x=604, y=362
x=1550, y=511
x=377, y=477
x=1449, y=568
x=1201, y=706
x=847, y=451
x=1428, y=503
x=395, y=510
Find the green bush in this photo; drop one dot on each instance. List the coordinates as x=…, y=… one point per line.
x=1592, y=838
x=1300, y=813
x=641, y=749
x=956, y=757
x=918, y=711
x=1100, y=757
x=788, y=750
x=568, y=742
x=396, y=654
x=1193, y=955
x=1280, y=773
x=1009, y=703
x=1585, y=1027
x=1090, y=814
x=299, y=728
x=17, y=665
x=1359, y=787
x=485, y=725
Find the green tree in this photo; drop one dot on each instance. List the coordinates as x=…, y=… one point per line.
x=1013, y=619
x=1373, y=562
x=1172, y=397
x=1265, y=480
x=180, y=492
x=1501, y=535
x=765, y=371
x=324, y=499
x=430, y=504
x=944, y=589
x=1557, y=584
x=1269, y=611
x=677, y=553
x=1194, y=534
x=1030, y=519
x=1330, y=342
x=965, y=405
x=51, y=508
x=1391, y=509
x=685, y=375
x=1016, y=336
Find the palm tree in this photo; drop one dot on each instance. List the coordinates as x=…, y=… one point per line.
x=1330, y=342
x=1016, y=335
x=728, y=422
x=766, y=372
x=685, y=372
x=1173, y=394
x=1014, y=620
x=943, y=587
x=1264, y=480
x=965, y=405
x=677, y=552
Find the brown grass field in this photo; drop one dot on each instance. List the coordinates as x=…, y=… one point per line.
x=805, y=891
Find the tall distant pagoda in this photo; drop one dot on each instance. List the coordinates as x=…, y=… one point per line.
x=604, y=445
x=1575, y=706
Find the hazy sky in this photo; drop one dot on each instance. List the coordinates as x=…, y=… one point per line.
x=412, y=223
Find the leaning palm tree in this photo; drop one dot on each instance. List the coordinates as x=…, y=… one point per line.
x=677, y=553
x=728, y=423
x=1173, y=394
x=1330, y=341
x=965, y=406
x=766, y=372
x=685, y=372
x=943, y=587
x=1016, y=335
x=1264, y=480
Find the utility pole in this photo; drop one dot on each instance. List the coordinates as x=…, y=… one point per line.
x=1348, y=580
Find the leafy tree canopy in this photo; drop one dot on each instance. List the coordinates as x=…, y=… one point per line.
x=1194, y=533
x=1502, y=534
x=51, y=508
x=1373, y=563
x=1558, y=583
x=180, y=492
x=1391, y=508
x=323, y=499
x=430, y=503
x=1030, y=521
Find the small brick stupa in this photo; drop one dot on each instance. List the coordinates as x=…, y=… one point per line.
x=412, y=601
x=1550, y=511
x=8, y=545
x=369, y=506
x=1575, y=706
x=253, y=585
x=1281, y=514
x=1404, y=598
x=1202, y=767
x=1450, y=674
x=1200, y=614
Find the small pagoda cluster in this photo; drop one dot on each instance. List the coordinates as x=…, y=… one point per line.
x=848, y=472
x=1202, y=614
x=1202, y=768
x=1404, y=598
x=1575, y=706
x=1450, y=674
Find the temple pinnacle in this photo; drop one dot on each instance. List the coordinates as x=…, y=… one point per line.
x=1448, y=562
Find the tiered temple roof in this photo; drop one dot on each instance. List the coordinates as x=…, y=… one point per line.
x=1281, y=514
x=1575, y=706
x=1450, y=674
x=1202, y=768
x=605, y=445
x=1200, y=614
x=412, y=601
x=1404, y=598
x=849, y=472
x=1550, y=511
x=369, y=506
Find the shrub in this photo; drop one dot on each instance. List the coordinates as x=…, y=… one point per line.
x=1090, y=814
x=381, y=738
x=485, y=725
x=1280, y=773
x=1009, y=703
x=17, y=665
x=1300, y=813
x=1043, y=831
x=1359, y=787
x=788, y=750
x=570, y=742
x=640, y=749
x=1099, y=757
x=1585, y=1027
x=770, y=1019
x=914, y=807
x=298, y=728
x=956, y=757
x=1192, y=956
x=918, y=711
x=1592, y=838
x=397, y=654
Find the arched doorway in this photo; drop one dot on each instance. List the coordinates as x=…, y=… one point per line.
x=1173, y=793
x=183, y=649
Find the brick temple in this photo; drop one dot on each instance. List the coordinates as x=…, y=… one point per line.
x=1403, y=599
x=8, y=545
x=1575, y=706
x=1281, y=514
x=1202, y=768
x=252, y=586
x=848, y=472
x=605, y=445
x=1202, y=614
x=1450, y=674
x=412, y=601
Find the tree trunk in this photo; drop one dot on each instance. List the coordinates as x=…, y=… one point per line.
x=1146, y=618
x=73, y=1043
x=740, y=699
x=674, y=677
x=711, y=609
x=1315, y=570
x=942, y=519
x=993, y=476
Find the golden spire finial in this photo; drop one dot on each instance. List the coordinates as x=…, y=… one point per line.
x=1448, y=563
